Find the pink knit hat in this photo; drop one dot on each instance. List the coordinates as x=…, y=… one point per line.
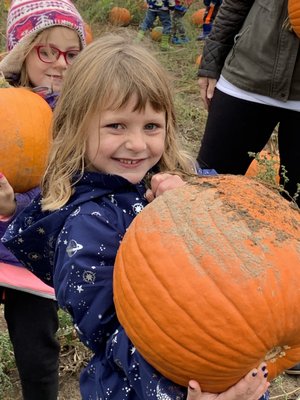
x=27, y=18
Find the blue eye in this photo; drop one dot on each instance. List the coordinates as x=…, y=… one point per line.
x=151, y=127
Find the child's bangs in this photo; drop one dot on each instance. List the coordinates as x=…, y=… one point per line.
x=122, y=90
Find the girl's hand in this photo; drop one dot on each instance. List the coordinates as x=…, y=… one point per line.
x=207, y=88
x=162, y=182
x=7, y=198
x=251, y=387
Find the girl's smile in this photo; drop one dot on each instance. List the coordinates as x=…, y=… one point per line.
x=126, y=142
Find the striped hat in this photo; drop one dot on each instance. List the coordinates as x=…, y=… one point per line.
x=27, y=18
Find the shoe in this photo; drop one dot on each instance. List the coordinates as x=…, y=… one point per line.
x=295, y=370
x=176, y=40
x=184, y=39
x=202, y=36
x=164, y=44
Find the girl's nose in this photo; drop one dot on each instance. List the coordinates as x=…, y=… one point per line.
x=135, y=141
x=61, y=61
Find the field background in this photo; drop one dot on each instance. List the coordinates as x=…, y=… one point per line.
x=181, y=63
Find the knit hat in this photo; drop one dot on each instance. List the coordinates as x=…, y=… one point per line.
x=27, y=18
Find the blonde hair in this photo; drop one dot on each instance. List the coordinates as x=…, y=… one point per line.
x=104, y=76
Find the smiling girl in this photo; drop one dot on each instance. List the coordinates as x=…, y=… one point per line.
x=114, y=124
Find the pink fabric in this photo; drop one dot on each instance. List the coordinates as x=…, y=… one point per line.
x=20, y=278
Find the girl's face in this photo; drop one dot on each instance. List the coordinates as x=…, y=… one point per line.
x=51, y=74
x=125, y=142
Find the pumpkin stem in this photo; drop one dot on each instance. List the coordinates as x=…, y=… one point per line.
x=3, y=81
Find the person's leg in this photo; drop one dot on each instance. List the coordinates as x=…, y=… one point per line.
x=148, y=21
x=234, y=128
x=32, y=323
x=289, y=151
x=207, y=22
x=165, y=19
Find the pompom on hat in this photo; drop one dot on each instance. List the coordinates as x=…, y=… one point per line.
x=27, y=18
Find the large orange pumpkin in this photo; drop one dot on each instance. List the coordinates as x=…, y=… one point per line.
x=197, y=16
x=206, y=282
x=119, y=16
x=294, y=15
x=24, y=137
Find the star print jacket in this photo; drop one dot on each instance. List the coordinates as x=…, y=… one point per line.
x=74, y=250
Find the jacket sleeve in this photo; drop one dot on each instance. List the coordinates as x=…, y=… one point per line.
x=228, y=22
x=23, y=199
x=83, y=281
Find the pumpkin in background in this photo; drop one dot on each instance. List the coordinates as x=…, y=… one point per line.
x=119, y=16
x=197, y=17
x=206, y=282
x=88, y=33
x=24, y=137
x=156, y=33
x=294, y=15
x=266, y=167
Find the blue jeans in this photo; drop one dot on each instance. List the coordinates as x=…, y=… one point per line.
x=164, y=17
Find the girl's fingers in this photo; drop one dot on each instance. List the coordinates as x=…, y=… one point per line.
x=194, y=391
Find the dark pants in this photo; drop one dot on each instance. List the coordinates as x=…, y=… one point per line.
x=178, y=28
x=163, y=16
x=235, y=127
x=32, y=323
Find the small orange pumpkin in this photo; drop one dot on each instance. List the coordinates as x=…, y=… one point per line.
x=88, y=33
x=266, y=167
x=24, y=137
x=156, y=33
x=294, y=15
x=197, y=16
x=206, y=282
x=120, y=16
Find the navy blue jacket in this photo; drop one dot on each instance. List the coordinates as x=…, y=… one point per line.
x=74, y=250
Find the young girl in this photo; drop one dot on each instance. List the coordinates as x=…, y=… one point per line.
x=43, y=38
x=114, y=126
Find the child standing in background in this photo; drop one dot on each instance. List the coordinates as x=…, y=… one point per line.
x=43, y=39
x=212, y=8
x=178, y=28
x=114, y=124
x=160, y=9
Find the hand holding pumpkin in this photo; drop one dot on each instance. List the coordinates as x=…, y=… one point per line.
x=162, y=182
x=251, y=387
x=7, y=198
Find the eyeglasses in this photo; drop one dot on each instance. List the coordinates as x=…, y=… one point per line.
x=50, y=54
